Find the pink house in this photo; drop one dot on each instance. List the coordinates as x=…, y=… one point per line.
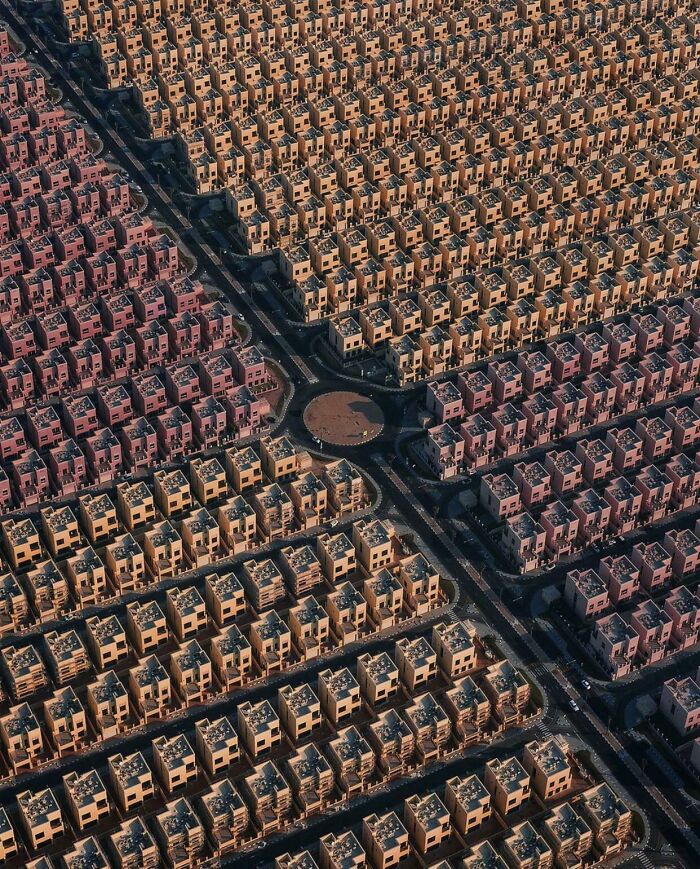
x=250, y=366
x=12, y=439
x=676, y=324
x=586, y=593
x=67, y=466
x=174, y=430
x=594, y=351
x=184, y=334
x=163, y=257
x=534, y=482
x=684, y=475
x=85, y=363
x=600, y=397
x=499, y=495
x=511, y=426
x=133, y=228
x=657, y=373
x=597, y=460
x=625, y=504
x=139, y=444
x=69, y=282
x=149, y=303
x=684, y=549
x=183, y=295
x=561, y=529
x=18, y=339
x=540, y=415
x=570, y=403
x=152, y=345
x=594, y=515
x=17, y=383
x=132, y=265
x=476, y=390
x=685, y=426
x=684, y=609
x=217, y=325
x=245, y=411
x=70, y=243
x=11, y=260
x=10, y=300
x=149, y=394
x=56, y=210
x=479, y=440
x=100, y=236
x=654, y=563
x=5, y=491
x=31, y=478
x=653, y=627
x=38, y=291
x=85, y=321
x=614, y=644
x=182, y=383
x=444, y=450
x=104, y=455
x=52, y=372
x=52, y=330
x=114, y=404
x=119, y=353
x=118, y=312
x=102, y=273
x=565, y=359
x=208, y=421
x=536, y=370
x=621, y=576
x=649, y=332
x=507, y=380
x=621, y=340
x=114, y=194
x=44, y=427
x=444, y=401
x=656, y=489
x=691, y=306
x=626, y=446
x=216, y=374
x=566, y=471
x=523, y=541
x=629, y=386
x=657, y=437
x=685, y=365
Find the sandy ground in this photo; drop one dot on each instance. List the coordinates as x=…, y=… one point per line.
x=344, y=418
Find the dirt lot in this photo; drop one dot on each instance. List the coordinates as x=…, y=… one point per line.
x=344, y=418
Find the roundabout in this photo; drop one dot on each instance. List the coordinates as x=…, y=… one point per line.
x=344, y=418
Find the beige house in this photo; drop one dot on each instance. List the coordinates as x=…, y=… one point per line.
x=416, y=661
x=468, y=802
x=174, y=762
x=299, y=710
x=131, y=779
x=258, y=727
x=86, y=797
x=339, y=693
x=216, y=744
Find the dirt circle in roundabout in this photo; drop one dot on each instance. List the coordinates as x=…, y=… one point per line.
x=344, y=418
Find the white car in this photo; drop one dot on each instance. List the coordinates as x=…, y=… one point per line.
x=574, y=706
x=586, y=684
